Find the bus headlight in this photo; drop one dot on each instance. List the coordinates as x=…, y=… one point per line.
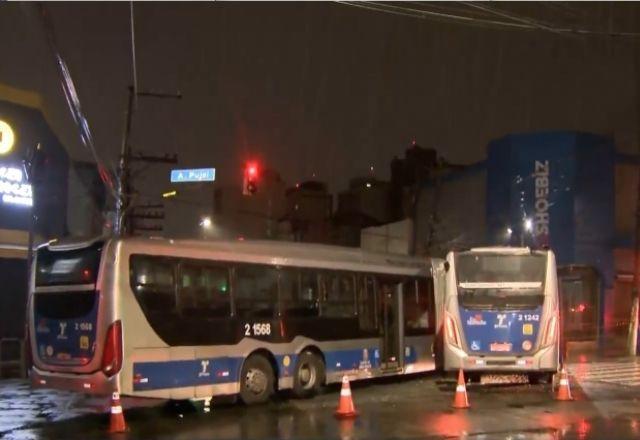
x=451, y=330
x=550, y=334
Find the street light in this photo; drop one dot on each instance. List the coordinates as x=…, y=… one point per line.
x=528, y=224
x=206, y=222
x=528, y=227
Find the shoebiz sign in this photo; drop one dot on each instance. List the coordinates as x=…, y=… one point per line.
x=14, y=188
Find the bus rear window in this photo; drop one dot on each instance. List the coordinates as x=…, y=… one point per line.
x=68, y=267
x=64, y=305
x=500, y=268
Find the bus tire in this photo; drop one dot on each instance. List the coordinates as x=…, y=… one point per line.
x=256, y=380
x=309, y=375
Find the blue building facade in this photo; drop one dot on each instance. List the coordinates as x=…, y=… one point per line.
x=543, y=189
x=557, y=190
x=561, y=185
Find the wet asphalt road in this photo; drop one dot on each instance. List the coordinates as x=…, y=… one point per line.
x=408, y=408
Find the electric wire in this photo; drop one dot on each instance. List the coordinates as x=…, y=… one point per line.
x=424, y=14
x=73, y=101
x=534, y=23
x=133, y=52
x=519, y=22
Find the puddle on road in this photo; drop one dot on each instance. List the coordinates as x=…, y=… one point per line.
x=47, y=416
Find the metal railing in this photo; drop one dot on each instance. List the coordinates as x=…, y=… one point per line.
x=12, y=358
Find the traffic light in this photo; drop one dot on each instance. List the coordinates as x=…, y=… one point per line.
x=250, y=181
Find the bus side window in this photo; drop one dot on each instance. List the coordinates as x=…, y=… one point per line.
x=204, y=290
x=419, y=309
x=298, y=292
x=153, y=283
x=367, y=304
x=338, y=294
x=256, y=292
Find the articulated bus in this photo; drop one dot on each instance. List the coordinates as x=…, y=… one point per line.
x=501, y=312
x=186, y=319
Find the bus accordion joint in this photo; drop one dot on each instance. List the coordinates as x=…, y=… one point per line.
x=112, y=354
x=452, y=334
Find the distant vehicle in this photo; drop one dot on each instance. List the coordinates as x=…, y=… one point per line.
x=501, y=312
x=182, y=319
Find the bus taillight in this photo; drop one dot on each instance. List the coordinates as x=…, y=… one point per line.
x=452, y=331
x=112, y=354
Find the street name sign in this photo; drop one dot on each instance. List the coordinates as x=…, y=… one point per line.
x=193, y=175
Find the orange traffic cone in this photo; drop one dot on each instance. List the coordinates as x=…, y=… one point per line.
x=564, y=390
x=345, y=404
x=116, y=422
x=461, y=401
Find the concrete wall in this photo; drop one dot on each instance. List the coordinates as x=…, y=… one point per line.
x=452, y=212
x=390, y=238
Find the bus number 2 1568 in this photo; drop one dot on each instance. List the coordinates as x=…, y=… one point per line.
x=257, y=329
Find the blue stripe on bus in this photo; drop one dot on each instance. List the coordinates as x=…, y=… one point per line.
x=352, y=359
x=209, y=371
x=176, y=374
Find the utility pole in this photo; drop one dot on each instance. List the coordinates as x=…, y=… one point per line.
x=148, y=212
x=632, y=337
x=125, y=188
x=31, y=165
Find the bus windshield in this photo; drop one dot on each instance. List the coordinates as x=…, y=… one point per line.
x=499, y=281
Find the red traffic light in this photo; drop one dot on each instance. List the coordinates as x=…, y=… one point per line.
x=250, y=183
x=252, y=169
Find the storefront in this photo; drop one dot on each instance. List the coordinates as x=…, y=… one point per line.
x=22, y=128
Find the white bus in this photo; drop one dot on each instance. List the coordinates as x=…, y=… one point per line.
x=185, y=319
x=501, y=312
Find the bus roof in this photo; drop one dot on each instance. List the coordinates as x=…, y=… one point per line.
x=508, y=250
x=273, y=252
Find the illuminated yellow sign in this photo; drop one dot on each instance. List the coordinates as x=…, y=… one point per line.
x=7, y=137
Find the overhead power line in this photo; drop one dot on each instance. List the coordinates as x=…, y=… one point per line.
x=424, y=14
x=518, y=22
x=523, y=20
x=73, y=101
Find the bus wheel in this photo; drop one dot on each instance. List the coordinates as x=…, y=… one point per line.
x=256, y=380
x=308, y=377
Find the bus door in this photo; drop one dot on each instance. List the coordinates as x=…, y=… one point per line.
x=391, y=324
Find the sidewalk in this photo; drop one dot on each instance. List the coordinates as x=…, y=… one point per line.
x=607, y=362
x=609, y=348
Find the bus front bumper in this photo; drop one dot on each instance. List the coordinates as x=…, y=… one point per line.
x=543, y=360
x=94, y=383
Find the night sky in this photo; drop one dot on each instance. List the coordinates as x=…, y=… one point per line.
x=322, y=88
